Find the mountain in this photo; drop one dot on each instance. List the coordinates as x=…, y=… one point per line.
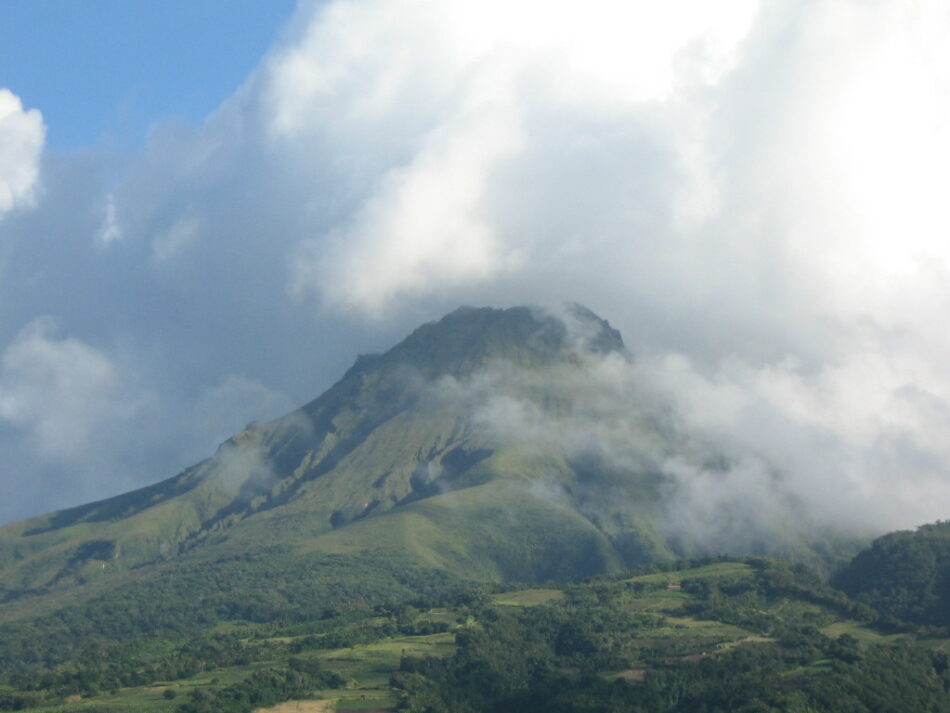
x=382, y=457
x=456, y=452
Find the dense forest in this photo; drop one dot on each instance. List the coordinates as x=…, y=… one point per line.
x=553, y=658
x=906, y=574
x=719, y=634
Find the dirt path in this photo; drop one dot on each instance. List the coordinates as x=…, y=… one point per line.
x=634, y=674
x=324, y=706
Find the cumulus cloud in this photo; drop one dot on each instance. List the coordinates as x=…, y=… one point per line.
x=57, y=390
x=21, y=143
x=749, y=191
x=431, y=109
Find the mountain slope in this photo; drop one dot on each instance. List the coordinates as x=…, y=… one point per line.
x=449, y=452
x=380, y=440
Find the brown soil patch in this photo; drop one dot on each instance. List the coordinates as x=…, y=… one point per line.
x=322, y=706
x=634, y=674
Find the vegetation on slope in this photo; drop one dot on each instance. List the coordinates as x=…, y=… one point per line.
x=718, y=638
x=712, y=635
x=905, y=575
x=379, y=440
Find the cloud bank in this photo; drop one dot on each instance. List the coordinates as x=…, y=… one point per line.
x=738, y=460
x=751, y=192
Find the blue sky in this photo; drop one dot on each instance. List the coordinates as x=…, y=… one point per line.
x=107, y=69
x=753, y=192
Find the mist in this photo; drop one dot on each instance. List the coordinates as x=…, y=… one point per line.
x=731, y=467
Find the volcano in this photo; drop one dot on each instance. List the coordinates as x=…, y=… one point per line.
x=457, y=452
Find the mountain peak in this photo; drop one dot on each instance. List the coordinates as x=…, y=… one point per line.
x=528, y=336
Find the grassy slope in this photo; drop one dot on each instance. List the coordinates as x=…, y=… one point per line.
x=374, y=441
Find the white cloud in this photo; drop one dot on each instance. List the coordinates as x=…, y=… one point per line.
x=92, y=422
x=861, y=443
x=423, y=226
x=57, y=390
x=21, y=142
x=844, y=170
x=425, y=107
x=750, y=191
x=743, y=458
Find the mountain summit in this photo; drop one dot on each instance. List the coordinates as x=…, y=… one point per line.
x=470, y=337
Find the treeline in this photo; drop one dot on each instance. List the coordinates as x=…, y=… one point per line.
x=548, y=658
x=743, y=601
x=90, y=677
x=299, y=678
x=365, y=632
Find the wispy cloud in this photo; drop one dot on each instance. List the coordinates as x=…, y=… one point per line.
x=58, y=390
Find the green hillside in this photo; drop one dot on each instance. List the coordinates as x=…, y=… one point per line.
x=379, y=441
x=711, y=635
x=905, y=574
